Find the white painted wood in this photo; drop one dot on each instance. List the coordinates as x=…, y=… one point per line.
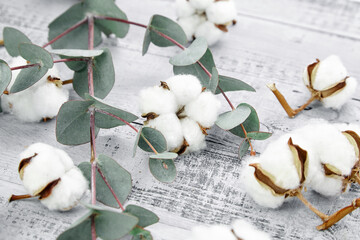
x=272, y=42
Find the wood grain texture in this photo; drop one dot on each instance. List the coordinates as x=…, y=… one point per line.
x=272, y=42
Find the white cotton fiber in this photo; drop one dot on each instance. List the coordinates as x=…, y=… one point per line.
x=169, y=125
x=184, y=8
x=247, y=231
x=221, y=12
x=204, y=110
x=215, y=232
x=339, y=98
x=193, y=135
x=158, y=100
x=200, y=4
x=186, y=88
x=66, y=194
x=210, y=32
x=189, y=24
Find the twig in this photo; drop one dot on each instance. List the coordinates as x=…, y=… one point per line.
x=323, y=216
x=19, y=197
x=24, y=66
x=67, y=82
x=1, y=42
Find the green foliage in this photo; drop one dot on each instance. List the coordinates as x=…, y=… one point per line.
x=137, y=139
x=228, y=84
x=231, y=119
x=106, y=121
x=192, y=54
x=194, y=69
x=156, y=139
x=214, y=81
x=118, y=178
x=73, y=123
x=28, y=77
x=77, y=52
x=146, y=217
x=108, y=225
x=36, y=54
x=5, y=76
x=251, y=124
x=163, y=170
x=259, y=135
x=141, y=234
x=160, y=24
x=164, y=155
x=12, y=39
x=103, y=76
x=244, y=146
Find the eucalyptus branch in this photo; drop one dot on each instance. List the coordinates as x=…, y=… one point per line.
x=25, y=66
x=71, y=60
x=65, y=32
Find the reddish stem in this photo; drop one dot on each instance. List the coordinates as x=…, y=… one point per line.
x=25, y=66
x=111, y=189
x=120, y=20
x=65, y=32
x=71, y=60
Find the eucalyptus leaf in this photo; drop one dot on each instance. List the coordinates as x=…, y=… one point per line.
x=214, y=81
x=141, y=234
x=259, y=135
x=28, y=77
x=163, y=170
x=146, y=217
x=165, y=155
x=251, y=124
x=36, y=54
x=118, y=178
x=12, y=39
x=77, y=52
x=243, y=148
x=73, y=123
x=105, y=121
x=231, y=119
x=156, y=139
x=103, y=76
x=194, y=69
x=146, y=42
x=5, y=76
x=167, y=27
x=80, y=230
x=228, y=84
x=192, y=54
x=137, y=139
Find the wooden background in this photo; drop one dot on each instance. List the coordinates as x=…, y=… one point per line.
x=272, y=42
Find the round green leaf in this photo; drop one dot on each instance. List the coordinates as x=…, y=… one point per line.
x=163, y=170
x=5, y=76
x=106, y=121
x=118, y=178
x=28, y=77
x=229, y=120
x=195, y=69
x=137, y=139
x=165, y=155
x=140, y=234
x=259, y=135
x=36, y=54
x=156, y=139
x=243, y=148
x=229, y=84
x=214, y=81
x=146, y=217
x=192, y=54
x=169, y=28
x=80, y=230
x=77, y=52
x=12, y=39
x=251, y=124
x=73, y=123
x=103, y=76
x=146, y=42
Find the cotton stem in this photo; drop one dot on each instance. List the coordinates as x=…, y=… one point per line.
x=67, y=82
x=19, y=197
x=111, y=189
x=1, y=42
x=323, y=216
x=290, y=112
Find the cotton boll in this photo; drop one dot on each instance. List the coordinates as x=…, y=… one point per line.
x=339, y=98
x=247, y=231
x=186, y=88
x=47, y=100
x=189, y=24
x=184, y=8
x=221, y=12
x=67, y=192
x=200, y=4
x=204, y=109
x=158, y=100
x=210, y=32
x=215, y=232
x=169, y=125
x=65, y=159
x=193, y=135
x=345, y=127
x=261, y=195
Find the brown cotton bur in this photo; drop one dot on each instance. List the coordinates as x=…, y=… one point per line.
x=315, y=94
x=23, y=164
